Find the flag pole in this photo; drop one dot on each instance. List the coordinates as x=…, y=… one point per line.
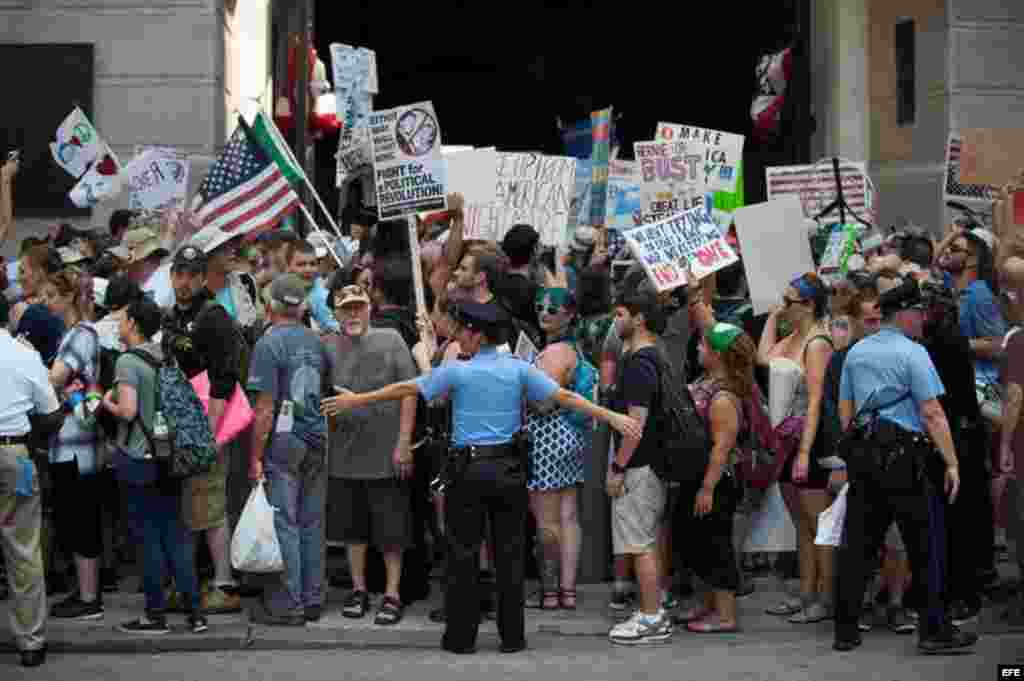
x=316, y=228
x=417, y=265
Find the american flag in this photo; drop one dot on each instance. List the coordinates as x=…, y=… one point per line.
x=953, y=189
x=815, y=185
x=244, y=190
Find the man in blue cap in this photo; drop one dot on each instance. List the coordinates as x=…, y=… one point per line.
x=487, y=468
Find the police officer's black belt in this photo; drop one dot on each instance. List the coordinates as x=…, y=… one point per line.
x=491, y=451
x=13, y=440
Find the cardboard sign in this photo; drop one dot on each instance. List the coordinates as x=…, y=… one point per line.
x=157, y=178
x=601, y=129
x=672, y=179
x=815, y=187
x=955, y=188
x=533, y=189
x=723, y=152
x=687, y=241
x=775, y=248
x=353, y=88
x=78, y=144
x=101, y=182
x=409, y=172
x=474, y=174
x=991, y=156
x=623, y=207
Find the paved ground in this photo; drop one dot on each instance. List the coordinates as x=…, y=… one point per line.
x=789, y=656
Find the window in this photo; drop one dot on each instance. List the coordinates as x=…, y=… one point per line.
x=906, y=95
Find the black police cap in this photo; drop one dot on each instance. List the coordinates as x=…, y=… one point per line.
x=480, y=316
x=905, y=296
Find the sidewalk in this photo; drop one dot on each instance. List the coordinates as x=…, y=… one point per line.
x=334, y=631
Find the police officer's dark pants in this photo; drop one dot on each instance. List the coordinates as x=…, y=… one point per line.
x=495, y=488
x=871, y=509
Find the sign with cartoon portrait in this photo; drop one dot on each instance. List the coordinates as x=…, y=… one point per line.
x=409, y=171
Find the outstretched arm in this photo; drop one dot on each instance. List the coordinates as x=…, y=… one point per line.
x=346, y=401
x=624, y=424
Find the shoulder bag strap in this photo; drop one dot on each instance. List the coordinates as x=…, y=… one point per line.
x=153, y=364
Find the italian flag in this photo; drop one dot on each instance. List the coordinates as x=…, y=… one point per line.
x=269, y=137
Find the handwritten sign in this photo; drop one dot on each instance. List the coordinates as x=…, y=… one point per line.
x=991, y=156
x=101, y=182
x=687, y=241
x=815, y=186
x=533, y=189
x=157, y=179
x=955, y=187
x=78, y=144
x=409, y=171
x=474, y=174
x=672, y=178
x=723, y=152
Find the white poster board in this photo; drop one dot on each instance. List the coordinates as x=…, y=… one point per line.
x=157, y=178
x=474, y=174
x=409, y=171
x=723, y=152
x=687, y=241
x=533, y=189
x=775, y=248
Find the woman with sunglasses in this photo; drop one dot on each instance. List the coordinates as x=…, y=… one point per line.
x=799, y=362
x=556, y=456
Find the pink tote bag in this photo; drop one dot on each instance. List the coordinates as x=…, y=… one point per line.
x=238, y=415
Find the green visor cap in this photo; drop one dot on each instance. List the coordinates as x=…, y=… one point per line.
x=722, y=335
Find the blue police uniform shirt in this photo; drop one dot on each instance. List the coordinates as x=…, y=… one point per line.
x=981, y=317
x=884, y=367
x=487, y=393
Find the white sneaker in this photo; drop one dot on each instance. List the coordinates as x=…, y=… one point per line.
x=639, y=630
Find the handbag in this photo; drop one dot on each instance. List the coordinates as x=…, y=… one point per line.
x=238, y=413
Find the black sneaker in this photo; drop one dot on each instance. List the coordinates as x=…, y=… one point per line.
x=150, y=625
x=356, y=605
x=197, y=624
x=953, y=643
x=961, y=613
x=899, y=622
x=109, y=581
x=74, y=608
x=437, y=615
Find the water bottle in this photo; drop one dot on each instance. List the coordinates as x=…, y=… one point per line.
x=160, y=429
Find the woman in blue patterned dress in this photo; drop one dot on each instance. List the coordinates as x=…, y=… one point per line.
x=556, y=457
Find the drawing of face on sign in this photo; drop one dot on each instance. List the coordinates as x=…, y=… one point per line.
x=416, y=132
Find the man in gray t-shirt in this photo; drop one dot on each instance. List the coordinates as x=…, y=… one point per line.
x=288, y=373
x=370, y=457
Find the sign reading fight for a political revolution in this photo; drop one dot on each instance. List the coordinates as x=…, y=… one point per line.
x=157, y=178
x=687, y=240
x=723, y=152
x=533, y=189
x=672, y=179
x=409, y=172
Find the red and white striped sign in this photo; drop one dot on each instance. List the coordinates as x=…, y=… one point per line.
x=815, y=186
x=952, y=187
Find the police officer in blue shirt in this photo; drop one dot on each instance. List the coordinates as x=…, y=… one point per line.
x=889, y=395
x=487, y=465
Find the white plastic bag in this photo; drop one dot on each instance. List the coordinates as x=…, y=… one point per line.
x=255, y=548
x=831, y=521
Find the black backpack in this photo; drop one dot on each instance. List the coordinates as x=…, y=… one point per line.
x=682, y=434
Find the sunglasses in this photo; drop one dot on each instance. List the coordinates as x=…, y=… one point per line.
x=552, y=309
x=789, y=302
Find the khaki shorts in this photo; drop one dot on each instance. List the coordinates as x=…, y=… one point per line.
x=637, y=514
x=204, y=499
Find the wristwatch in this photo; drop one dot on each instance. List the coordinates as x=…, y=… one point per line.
x=617, y=469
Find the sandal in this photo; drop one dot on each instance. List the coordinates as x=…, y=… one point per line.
x=567, y=599
x=694, y=614
x=712, y=625
x=356, y=605
x=390, y=612
x=811, y=614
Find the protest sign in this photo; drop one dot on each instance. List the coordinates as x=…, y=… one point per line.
x=474, y=174
x=409, y=171
x=579, y=212
x=623, y=207
x=533, y=189
x=157, y=178
x=815, y=186
x=78, y=144
x=775, y=248
x=723, y=152
x=687, y=240
x=352, y=84
x=672, y=179
x=525, y=349
x=955, y=189
x=101, y=182
x=601, y=129
x=991, y=156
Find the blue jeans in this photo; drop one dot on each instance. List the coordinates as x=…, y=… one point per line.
x=165, y=539
x=297, y=481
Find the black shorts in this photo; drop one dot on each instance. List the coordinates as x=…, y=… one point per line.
x=77, y=500
x=373, y=512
